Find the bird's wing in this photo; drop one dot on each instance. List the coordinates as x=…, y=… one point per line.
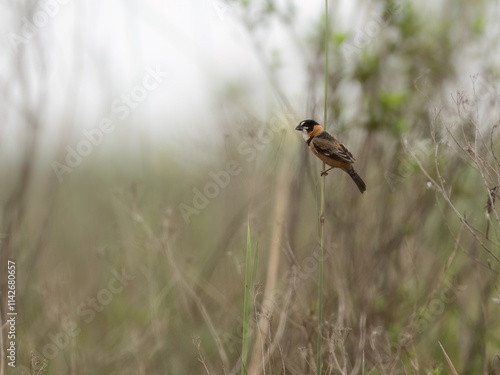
x=333, y=149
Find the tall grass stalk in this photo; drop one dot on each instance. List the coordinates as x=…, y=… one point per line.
x=265, y=343
x=246, y=302
x=322, y=210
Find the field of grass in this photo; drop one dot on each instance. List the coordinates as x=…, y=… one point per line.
x=204, y=258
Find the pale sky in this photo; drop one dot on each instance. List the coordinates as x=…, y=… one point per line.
x=97, y=51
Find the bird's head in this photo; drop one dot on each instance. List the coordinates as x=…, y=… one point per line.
x=307, y=127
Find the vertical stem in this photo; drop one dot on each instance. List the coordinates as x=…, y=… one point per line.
x=246, y=303
x=327, y=37
x=320, y=278
x=263, y=328
x=322, y=210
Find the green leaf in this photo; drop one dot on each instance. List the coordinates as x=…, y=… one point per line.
x=392, y=100
x=479, y=24
x=339, y=38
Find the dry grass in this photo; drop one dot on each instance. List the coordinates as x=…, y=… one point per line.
x=113, y=280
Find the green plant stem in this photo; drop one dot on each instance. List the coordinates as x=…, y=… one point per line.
x=320, y=278
x=322, y=210
x=327, y=36
x=246, y=303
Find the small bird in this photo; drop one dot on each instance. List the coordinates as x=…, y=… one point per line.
x=330, y=150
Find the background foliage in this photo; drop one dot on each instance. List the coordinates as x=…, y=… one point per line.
x=135, y=262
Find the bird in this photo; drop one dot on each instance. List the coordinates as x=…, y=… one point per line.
x=329, y=149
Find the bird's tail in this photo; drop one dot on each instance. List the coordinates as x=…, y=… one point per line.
x=357, y=180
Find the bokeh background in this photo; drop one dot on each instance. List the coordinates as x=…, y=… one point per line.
x=140, y=140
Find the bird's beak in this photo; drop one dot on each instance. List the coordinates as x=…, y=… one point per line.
x=299, y=127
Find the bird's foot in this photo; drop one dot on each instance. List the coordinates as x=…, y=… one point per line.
x=324, y=173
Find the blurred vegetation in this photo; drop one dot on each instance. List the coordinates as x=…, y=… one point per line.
x=136, y=264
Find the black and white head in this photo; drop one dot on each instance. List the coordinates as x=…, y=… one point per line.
x=306, y=127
